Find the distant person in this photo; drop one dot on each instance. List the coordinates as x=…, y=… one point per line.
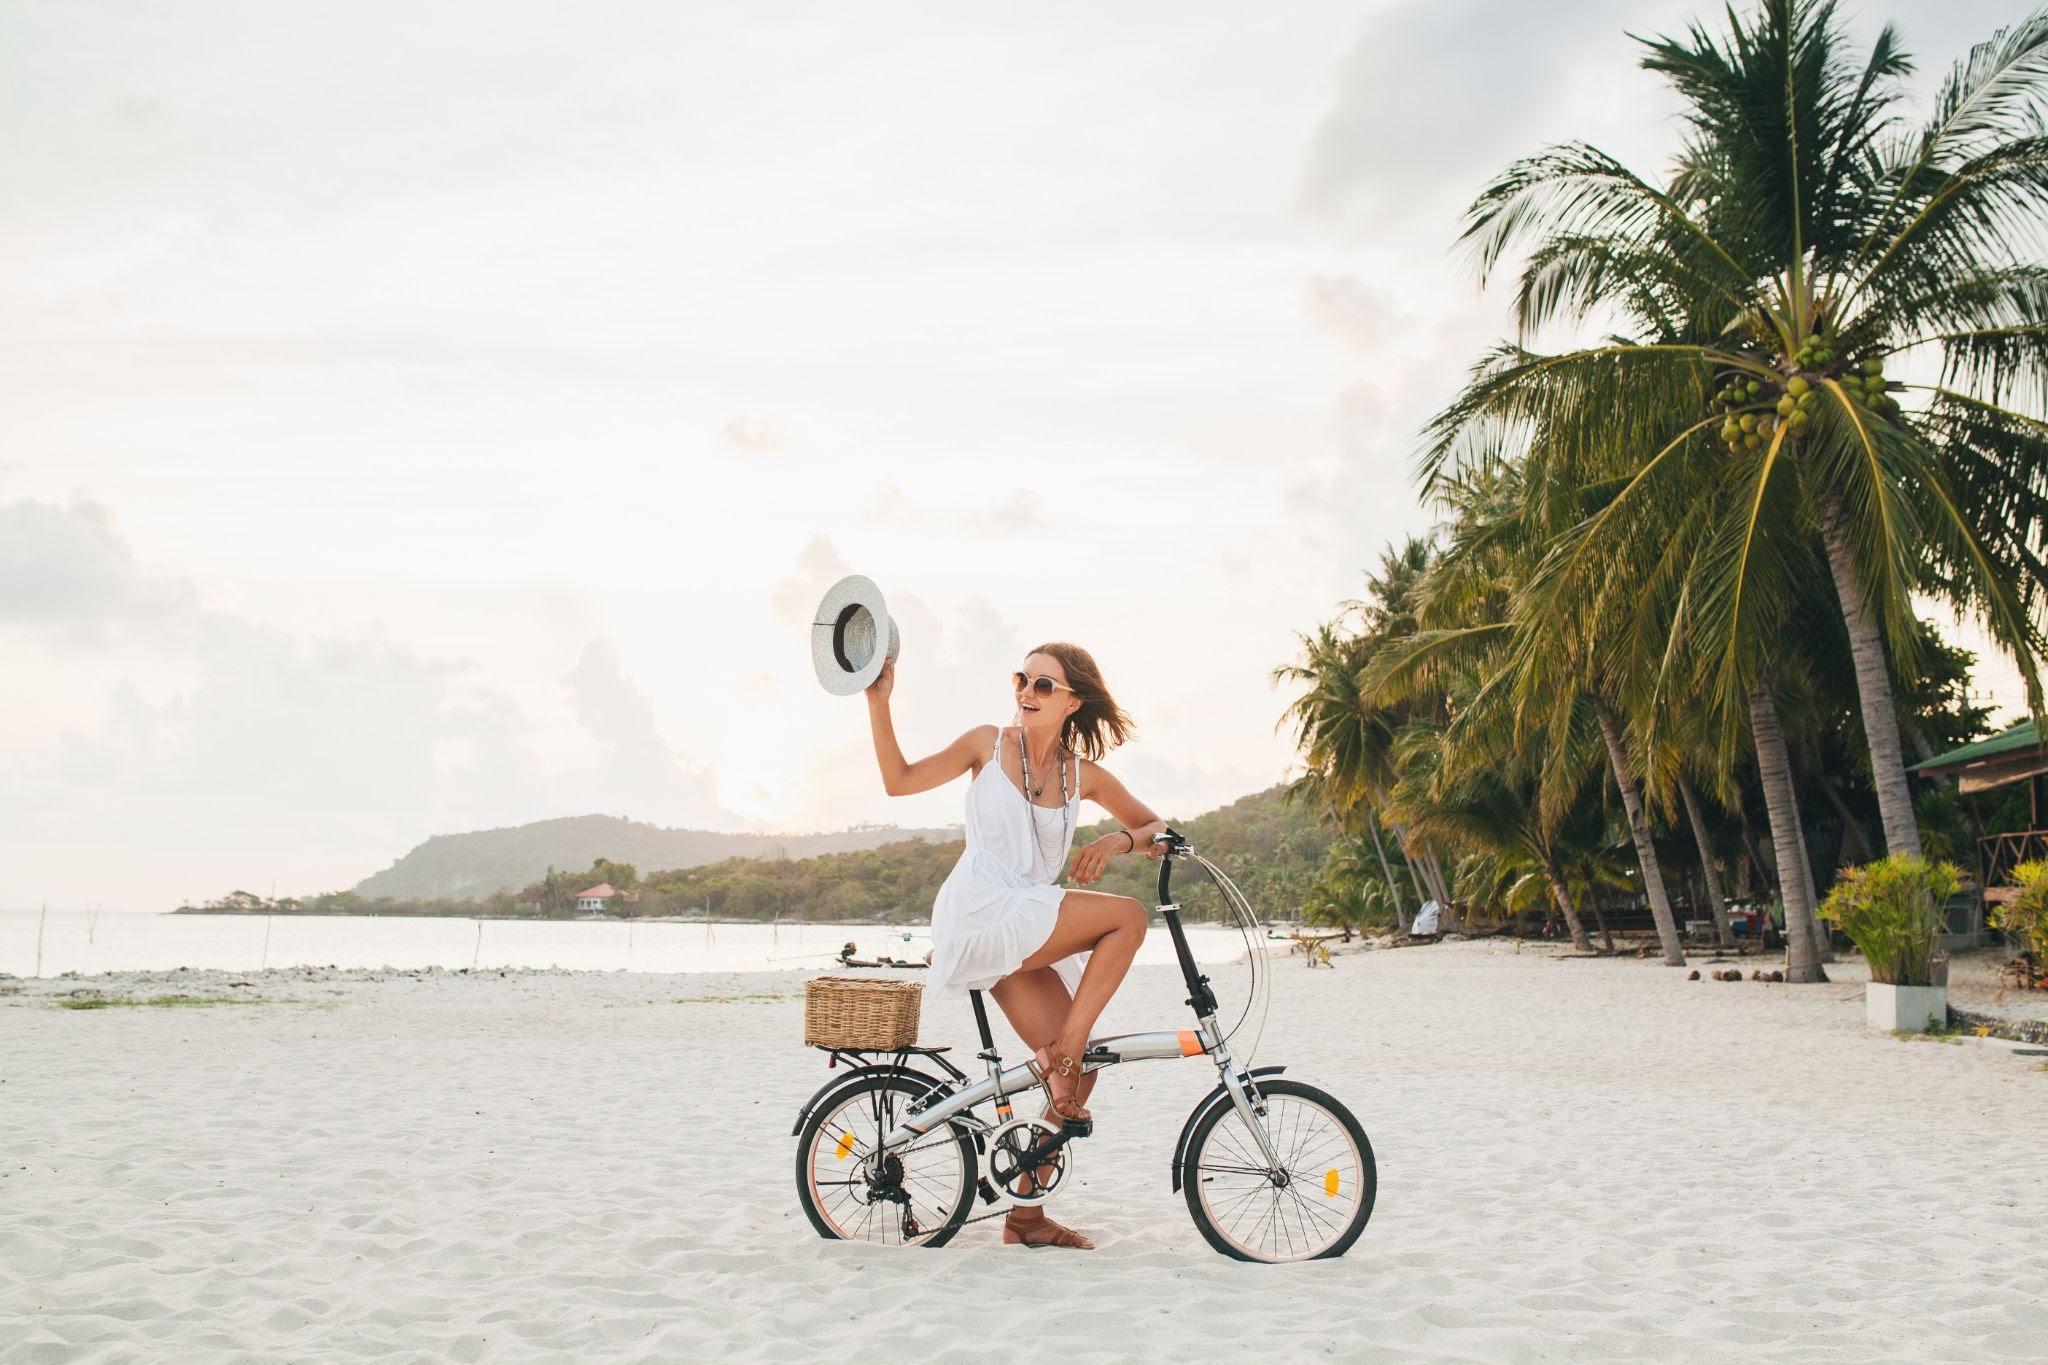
x=1052, y=958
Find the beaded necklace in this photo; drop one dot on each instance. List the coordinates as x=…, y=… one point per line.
x=1054, y=859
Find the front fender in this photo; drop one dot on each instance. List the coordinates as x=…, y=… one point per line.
x=861, y=1073
x=1180, y=1148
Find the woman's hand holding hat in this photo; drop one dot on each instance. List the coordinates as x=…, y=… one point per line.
x=884, y=683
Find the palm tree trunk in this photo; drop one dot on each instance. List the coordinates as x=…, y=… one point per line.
x=1855, y=842
x=1563, y=896
x=1606, y=934
x=1774, y=769
x=1393, y=887
x=1699, y=833
x=1433, y=872
x=1802, y=867
x=1639, y=830
x=1401, y=836
x=1873, y=687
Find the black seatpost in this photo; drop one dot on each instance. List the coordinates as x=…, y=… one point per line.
x=988, y=1042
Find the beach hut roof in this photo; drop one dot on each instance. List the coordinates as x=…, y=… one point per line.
x=2009, y=757
x=602, y=891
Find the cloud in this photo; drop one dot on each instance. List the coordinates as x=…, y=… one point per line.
x=1018, y=512
x=750, y=435
x=1435, y=95
x=68, y=569
x=818, y=567
x=1353, y=311
x=219, y=750
x=635, y=770
x=308, y=759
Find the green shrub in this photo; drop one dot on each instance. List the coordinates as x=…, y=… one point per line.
x=2024, y=918
x=1894, y=910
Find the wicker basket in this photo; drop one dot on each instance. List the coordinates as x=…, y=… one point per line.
x=879, y=1013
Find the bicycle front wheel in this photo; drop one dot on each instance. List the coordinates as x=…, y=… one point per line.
x=1312, y=1204
x=914, y=1197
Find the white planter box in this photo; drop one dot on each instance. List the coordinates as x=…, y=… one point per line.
x=1905, y=1009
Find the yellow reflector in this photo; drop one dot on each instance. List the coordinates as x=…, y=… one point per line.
x=1330, y=1184
x=846, y=1145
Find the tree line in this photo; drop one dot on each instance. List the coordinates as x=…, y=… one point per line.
x=1664, y=648
x=1271, y=847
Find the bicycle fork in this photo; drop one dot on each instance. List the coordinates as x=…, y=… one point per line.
x=1249, y=1107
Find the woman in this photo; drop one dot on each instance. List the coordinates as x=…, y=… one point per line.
x=1052, y=958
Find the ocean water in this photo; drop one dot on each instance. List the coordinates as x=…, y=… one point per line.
x=73, y=941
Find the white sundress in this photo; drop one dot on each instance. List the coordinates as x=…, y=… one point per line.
x=1001, y=900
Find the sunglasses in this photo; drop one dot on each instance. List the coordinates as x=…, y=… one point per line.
x=1043, y=685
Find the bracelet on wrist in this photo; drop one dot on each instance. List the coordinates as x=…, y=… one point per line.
x=1131, y=838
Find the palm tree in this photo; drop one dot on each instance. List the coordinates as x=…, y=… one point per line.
x=1490, y=808
x=1548, y=677
x=1346, y=740
x=1346, y=895
x=1746, y=427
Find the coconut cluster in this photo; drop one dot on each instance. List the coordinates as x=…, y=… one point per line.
x=1755, y=404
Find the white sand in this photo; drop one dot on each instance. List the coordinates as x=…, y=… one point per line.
x=1578, y=1160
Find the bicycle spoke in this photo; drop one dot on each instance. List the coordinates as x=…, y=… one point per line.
x=862, y=1193
x=1250, y=1156
x=1283, y=1209
x=1324, y=1218
x=1240, y=1203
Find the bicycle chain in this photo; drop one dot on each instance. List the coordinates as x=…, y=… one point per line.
x=951, y=1225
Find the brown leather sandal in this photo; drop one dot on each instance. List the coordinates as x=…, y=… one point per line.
x=1046, y=1065
x=1043, y=1232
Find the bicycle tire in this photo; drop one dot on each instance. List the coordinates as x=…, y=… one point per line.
x=1328, y=1227
x=859, y=1114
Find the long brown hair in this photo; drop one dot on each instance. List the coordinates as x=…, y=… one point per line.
x=1100, y=724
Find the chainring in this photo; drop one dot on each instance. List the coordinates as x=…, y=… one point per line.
x=1009, y=1148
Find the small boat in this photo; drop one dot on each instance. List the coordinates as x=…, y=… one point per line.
x=846, y=958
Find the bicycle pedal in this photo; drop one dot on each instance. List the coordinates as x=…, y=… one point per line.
x=1077, y=1128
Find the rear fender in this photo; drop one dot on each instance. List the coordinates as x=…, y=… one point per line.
x=862, y=1073
x=1180, y=1148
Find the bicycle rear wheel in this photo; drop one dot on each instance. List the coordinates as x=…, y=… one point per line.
x=914, y=1197
x=1312, y=1205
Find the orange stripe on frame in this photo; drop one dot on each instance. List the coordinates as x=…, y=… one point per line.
x=1190, y=1043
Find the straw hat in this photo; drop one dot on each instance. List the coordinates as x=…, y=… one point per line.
x=845, y=636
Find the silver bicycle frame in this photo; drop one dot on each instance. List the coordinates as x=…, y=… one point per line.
x=1203, y=1040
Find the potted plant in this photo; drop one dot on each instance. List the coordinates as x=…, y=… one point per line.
x=1894, y=910
x=2024, y=920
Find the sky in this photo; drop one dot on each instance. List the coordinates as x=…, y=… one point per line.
x=428, y=417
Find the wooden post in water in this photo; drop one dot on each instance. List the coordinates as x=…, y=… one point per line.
x=41, y=920
x=477, y=956
x=266, y=945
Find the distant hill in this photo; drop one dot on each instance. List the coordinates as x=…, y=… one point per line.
x=489, y=860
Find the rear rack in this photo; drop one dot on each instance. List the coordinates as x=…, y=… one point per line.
x=875, y=1056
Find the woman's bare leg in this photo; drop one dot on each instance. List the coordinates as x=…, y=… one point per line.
x=1036, y=1003
x=1107, y=928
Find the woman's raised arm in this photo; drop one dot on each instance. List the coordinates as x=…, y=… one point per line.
x=903, y=778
